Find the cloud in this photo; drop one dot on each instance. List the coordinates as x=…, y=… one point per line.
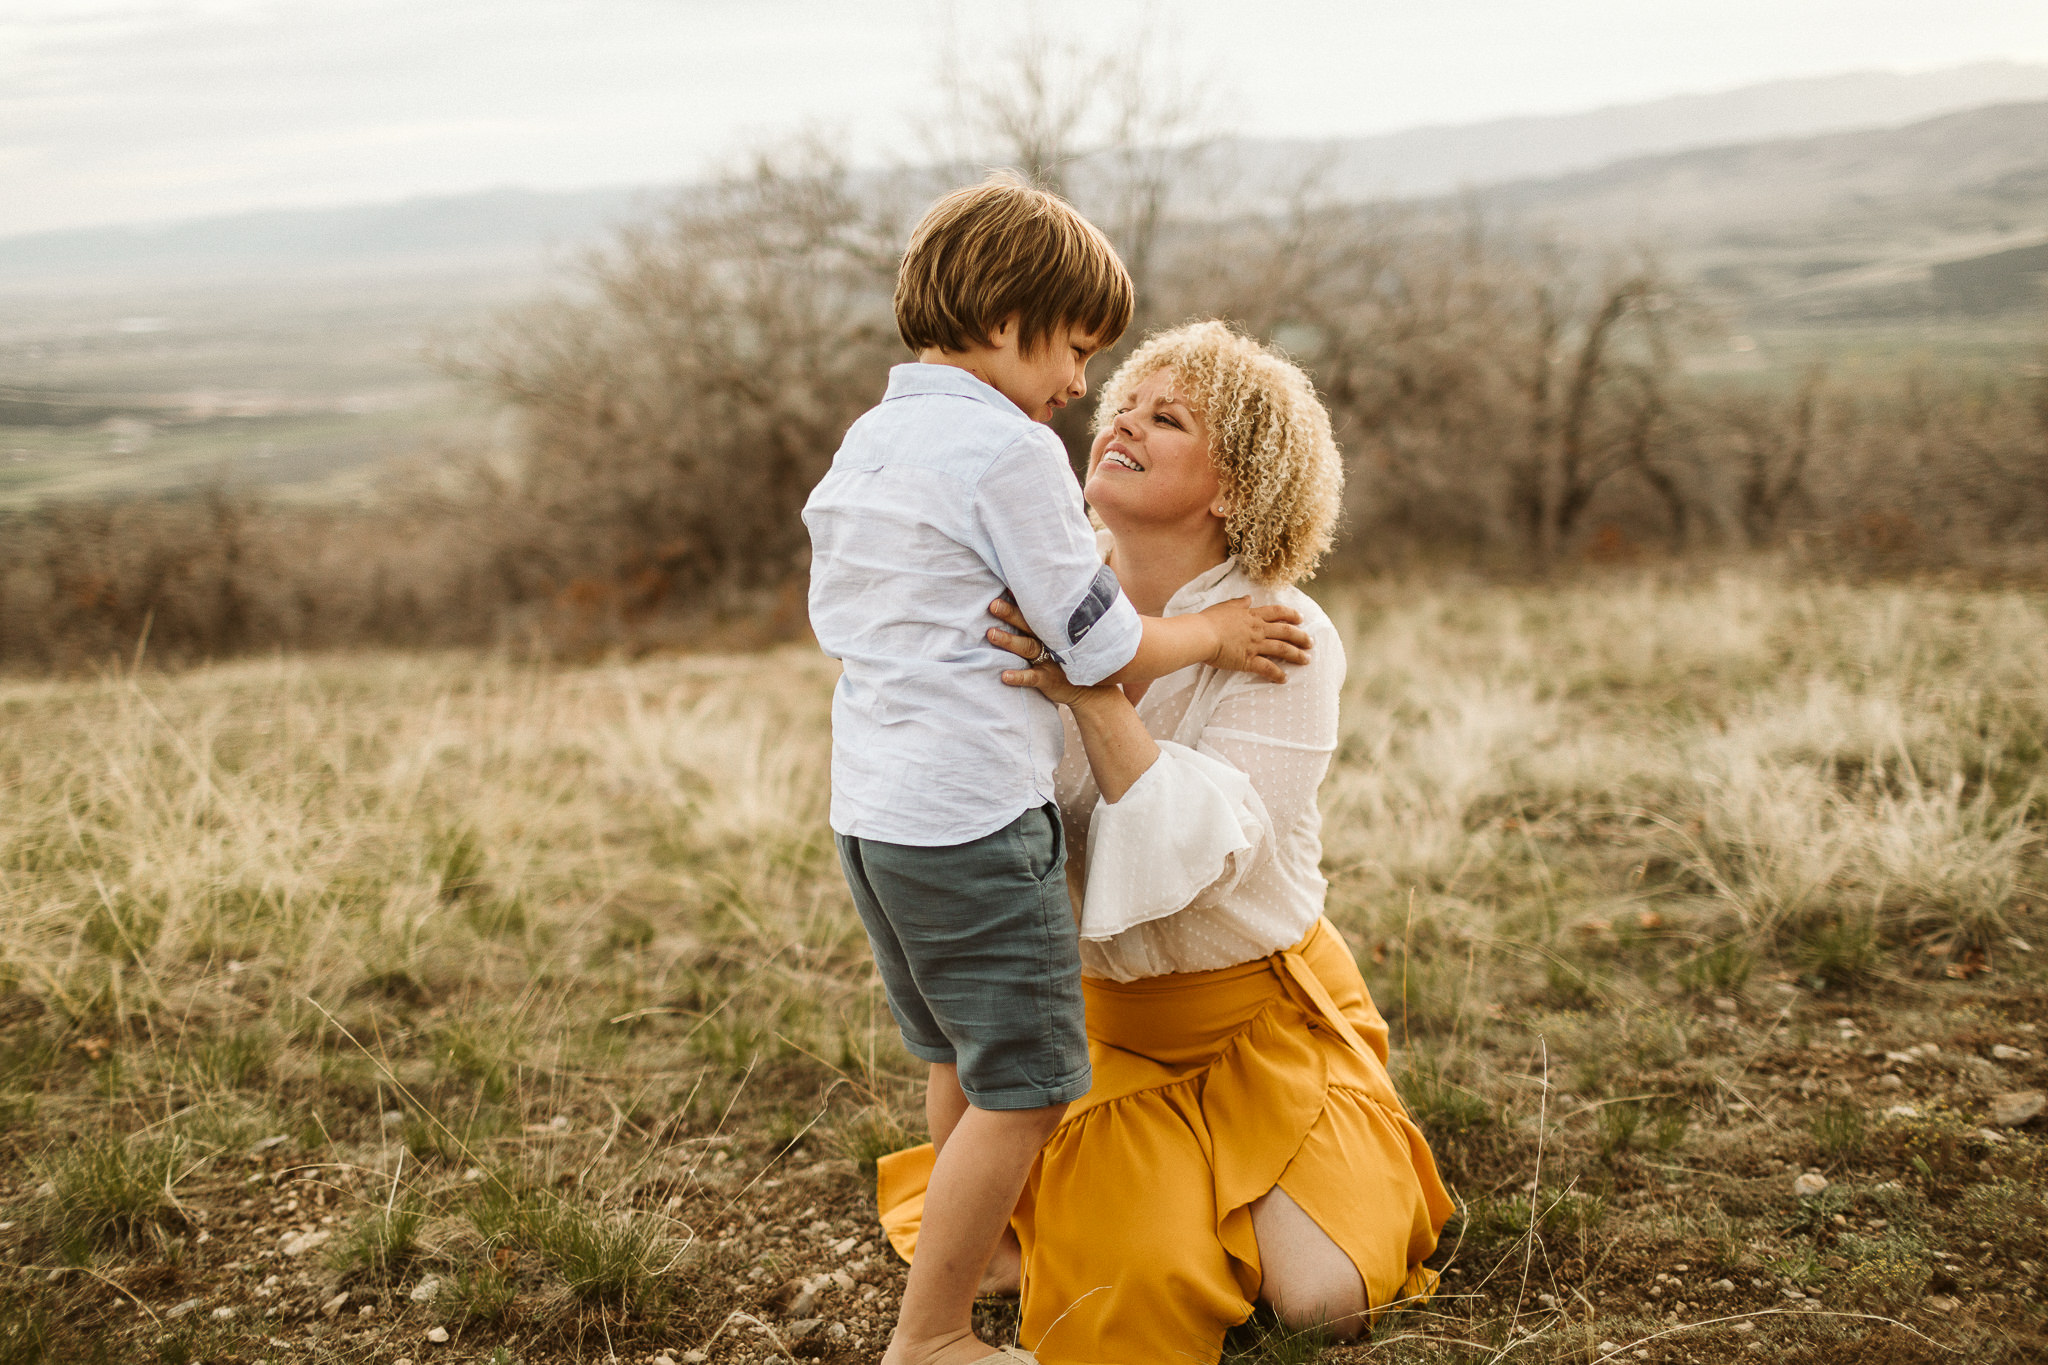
x=132, y=110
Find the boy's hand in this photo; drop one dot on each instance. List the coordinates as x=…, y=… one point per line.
x=1256, y=640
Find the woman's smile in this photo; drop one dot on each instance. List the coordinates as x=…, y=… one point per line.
x=1117, y=455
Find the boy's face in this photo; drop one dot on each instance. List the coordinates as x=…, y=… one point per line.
x=1044, y=380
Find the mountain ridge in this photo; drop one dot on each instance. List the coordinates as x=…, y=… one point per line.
x=515, y=230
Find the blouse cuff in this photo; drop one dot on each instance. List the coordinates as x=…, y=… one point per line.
x=1177, y=831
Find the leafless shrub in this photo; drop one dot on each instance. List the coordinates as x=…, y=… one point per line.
x=678, y=411
x=224, y=573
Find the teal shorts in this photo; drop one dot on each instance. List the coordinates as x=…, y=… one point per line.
x=980, y=956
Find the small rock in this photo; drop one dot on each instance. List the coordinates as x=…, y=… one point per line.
x=1609, y=1347
x=333, y=1305
x=267, y=1143
x=424, y=1291
x=1942, y=1303
x=393, y=1117
x=437, y=1335
x=1809, y=1184
x=803, y=1328
x=1723, y=1286
x=1745, y=1327
x=843, y=1247
x=837, y=1331
x=1901, y=1058
x=1889, y=1081
x=2016, y=1107
x=559, y=1122
x=223, y=1313
x=2002, y=1053
x=1902, y=1111
x=663, y=1359
x=474, y=1173
x=693, y=1358
x=1723, y=1004
x=402, y=1360
x=180, y=1310
x=843, y=1280
x=794, y=1298
x=1988, y=1135
x=299, y=1243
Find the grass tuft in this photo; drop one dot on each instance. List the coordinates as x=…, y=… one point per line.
x=870, y=1135
x=1838, y=1131
x=25, y=1336
x=111, y=1191
x=382, y=1244
x=604, y=1258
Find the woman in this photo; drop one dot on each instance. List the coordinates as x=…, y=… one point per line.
x=1242, y=1142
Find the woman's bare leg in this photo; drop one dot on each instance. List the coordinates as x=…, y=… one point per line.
x=1309, y=1281
x=1005, y=1273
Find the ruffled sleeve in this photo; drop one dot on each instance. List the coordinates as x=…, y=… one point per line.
x=1184, y=833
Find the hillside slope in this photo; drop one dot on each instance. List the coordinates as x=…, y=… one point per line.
x=1873, y=223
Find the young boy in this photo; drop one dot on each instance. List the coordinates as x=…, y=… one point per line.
x=948, y=494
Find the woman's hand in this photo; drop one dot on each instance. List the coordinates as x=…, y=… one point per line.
x=1045, y=675
x=1118, y=747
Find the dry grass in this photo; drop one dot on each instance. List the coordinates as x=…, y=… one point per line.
x=541, y=982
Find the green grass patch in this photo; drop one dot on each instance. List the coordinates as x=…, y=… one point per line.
x=111, y=1191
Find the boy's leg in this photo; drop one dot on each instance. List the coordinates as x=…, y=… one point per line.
x=974, y=1189
x=944, y=1103
x=977, y=946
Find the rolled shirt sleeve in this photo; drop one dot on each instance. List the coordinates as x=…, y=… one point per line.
x=1184, y=833
x=1031, y=513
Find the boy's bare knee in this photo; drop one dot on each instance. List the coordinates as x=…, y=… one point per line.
x=1042, y=1120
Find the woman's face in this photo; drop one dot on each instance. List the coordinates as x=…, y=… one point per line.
x=1150, y=465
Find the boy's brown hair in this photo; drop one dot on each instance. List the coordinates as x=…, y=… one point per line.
x=1002, y=249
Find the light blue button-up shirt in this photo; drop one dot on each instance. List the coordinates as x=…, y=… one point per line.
x=941, y=498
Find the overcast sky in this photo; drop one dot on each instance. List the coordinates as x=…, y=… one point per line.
x=143, y=110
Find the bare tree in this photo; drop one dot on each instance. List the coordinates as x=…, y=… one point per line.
x=1113, y=126
x=677, y=413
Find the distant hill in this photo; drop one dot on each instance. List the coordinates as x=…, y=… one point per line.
x=1433, y=161
x=1946, y=214
x=494, y=230
x=512, y=231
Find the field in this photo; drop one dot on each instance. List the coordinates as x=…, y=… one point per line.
x=304, y=388
x=447, y=1008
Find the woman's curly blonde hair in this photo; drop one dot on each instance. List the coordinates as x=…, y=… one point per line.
x=1269, y=437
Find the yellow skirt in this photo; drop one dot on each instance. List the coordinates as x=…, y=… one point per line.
x=1210, y=1088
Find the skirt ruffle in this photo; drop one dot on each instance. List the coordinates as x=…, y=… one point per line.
x=1210, y=1089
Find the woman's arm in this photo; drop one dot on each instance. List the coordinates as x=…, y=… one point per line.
x=1119, y=748
x=1118, y=745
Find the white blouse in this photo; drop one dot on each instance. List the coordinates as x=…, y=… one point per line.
x=1213, y=857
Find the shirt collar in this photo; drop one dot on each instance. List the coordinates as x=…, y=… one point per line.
x=918, y=378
